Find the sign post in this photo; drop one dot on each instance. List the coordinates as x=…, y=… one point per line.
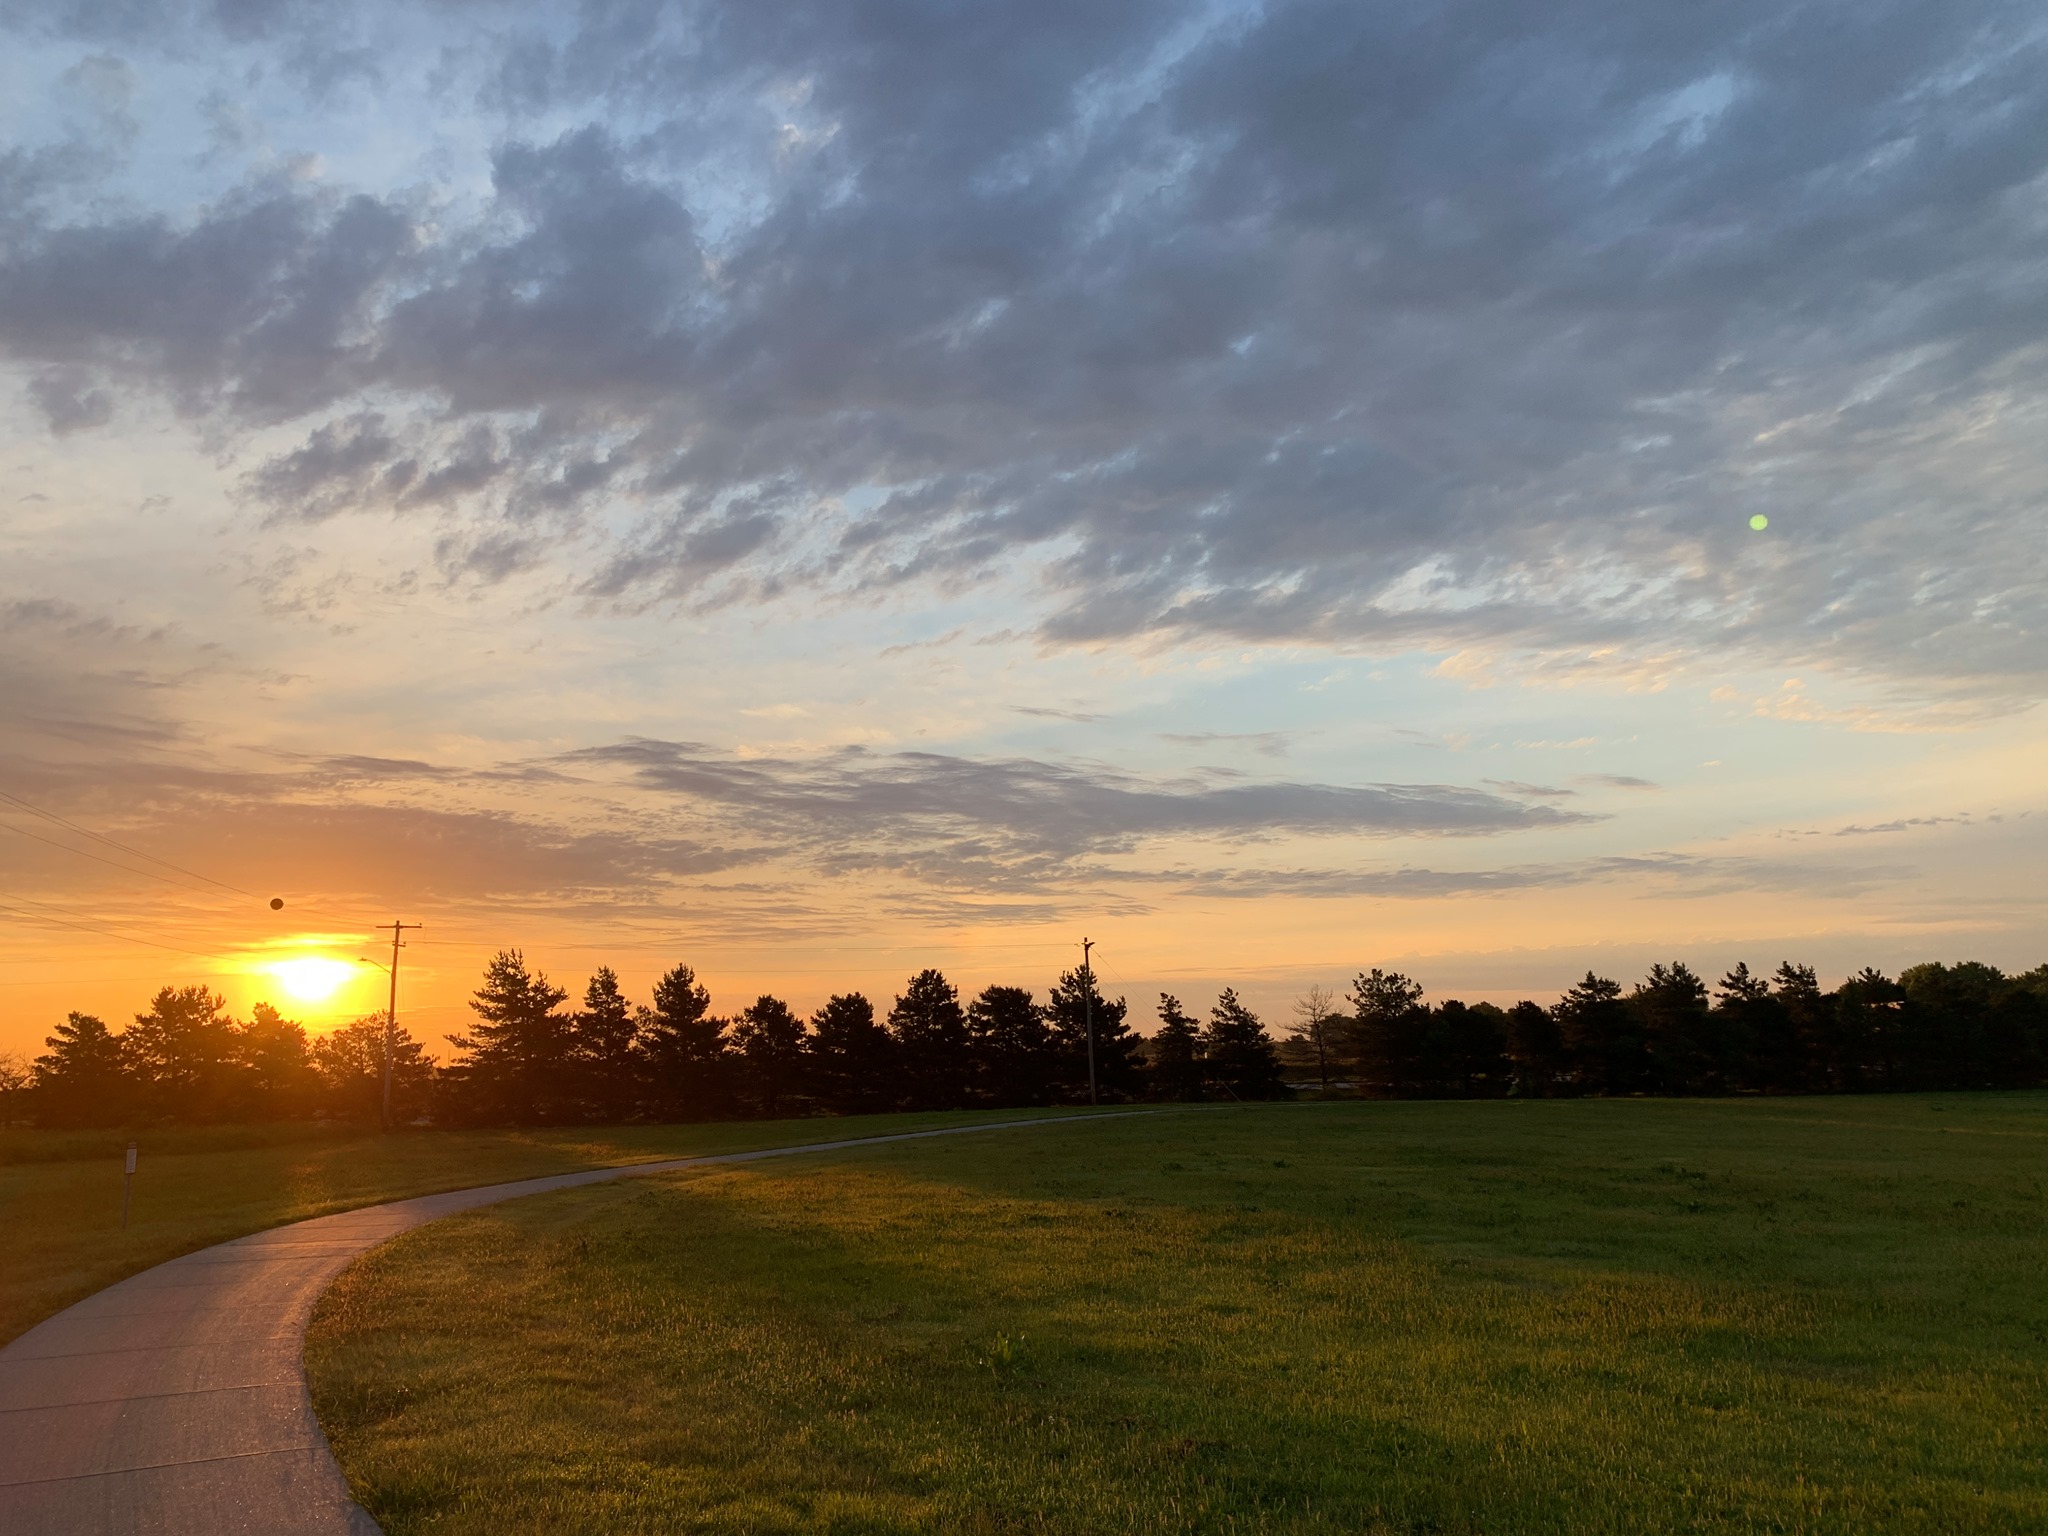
x=127, y=1180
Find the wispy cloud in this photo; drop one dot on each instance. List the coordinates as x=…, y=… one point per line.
x=1265, y=743
x=893, y=805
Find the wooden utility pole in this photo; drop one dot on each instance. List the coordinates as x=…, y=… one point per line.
x=391, y=1012
x=1088, y=1007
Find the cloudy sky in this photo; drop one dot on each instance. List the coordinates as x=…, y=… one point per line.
x=818, y=489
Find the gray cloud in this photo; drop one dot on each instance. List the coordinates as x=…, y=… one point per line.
x=1078, y=717
x=1490, y=323
x=1523, y=791
x=1265, y=743
x=927, y=809
x=70, y=400
x=1656, y=874
x=638, y=826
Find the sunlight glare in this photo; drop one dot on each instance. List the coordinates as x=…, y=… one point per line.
x=312, y=980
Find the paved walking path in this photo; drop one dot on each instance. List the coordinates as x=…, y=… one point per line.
x=175, y=1402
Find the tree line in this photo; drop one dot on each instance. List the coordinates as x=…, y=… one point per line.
x=1935, y=1026
x=530, y=1058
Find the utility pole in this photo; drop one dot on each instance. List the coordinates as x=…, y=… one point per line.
x=391, y=1013
x=1088, y=1005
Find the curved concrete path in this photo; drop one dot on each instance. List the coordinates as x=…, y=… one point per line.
x=175, y=1402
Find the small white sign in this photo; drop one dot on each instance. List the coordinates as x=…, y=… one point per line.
x=131, y=1157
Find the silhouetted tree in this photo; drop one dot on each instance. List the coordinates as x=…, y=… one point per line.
x=605, y=1042
x=1670, y=1013
x=1466, y=1045
x=1955, y=1030
x=1011, y=1047
x=1317, y=1024
x=349, y=1062
x=769, y=1041
x=2024, y=1004
x=1536, y=1047
x=82, y=1080
x=278, y=1082
x=930, y=1030
x=1606, y=1048
x=1867, y=1008
x=1387, y=1025
x=1238, y=1054
x=184, y=1056
x=1175, y=1055
x=683, y=1052
x=853, y=1058
x=1809, y=1019
x=518, y=1068
x=1119, y=1077
x=15, y=1077
x=1754, y=1045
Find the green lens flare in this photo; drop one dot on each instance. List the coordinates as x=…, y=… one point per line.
x=1759, y=522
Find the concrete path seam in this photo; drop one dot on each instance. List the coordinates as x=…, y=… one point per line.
x=175, y=1402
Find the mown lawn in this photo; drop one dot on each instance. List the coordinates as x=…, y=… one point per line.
x=60, y=1192
x=1800, y=1316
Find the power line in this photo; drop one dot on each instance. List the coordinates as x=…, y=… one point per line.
x=99, y=837
x=97, y=858
x=37, y=917
x=58, y=906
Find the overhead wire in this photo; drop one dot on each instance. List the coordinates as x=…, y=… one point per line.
x=58, y=906
x=38, y=917
x=10, y=798
x=101, y=837
x=97, y=858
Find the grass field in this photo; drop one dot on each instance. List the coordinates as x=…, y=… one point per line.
x=1821, y=1315
x=60, y=1192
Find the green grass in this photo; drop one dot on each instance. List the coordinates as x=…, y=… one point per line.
x=60, y=1191
x=1821, y=1315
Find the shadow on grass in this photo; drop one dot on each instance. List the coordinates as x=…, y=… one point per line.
x=1457, y=1317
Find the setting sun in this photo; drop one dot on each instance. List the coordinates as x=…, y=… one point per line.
x=311, y=980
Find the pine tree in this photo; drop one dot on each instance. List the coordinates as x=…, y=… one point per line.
x=519, y=1069
x=1536, y=1048
x=184, y=1057
x=853, y=1058
x=278, y=1081
x=769, y=1041
x=1755, y=1048
x=350, y=1064
x=1606, y=1050
x=930, y=1031
x=605, y=1038
x=1867, y=1008
x=1011, y=1046
x=1815, y=1046
x=1118, y=1075
x=1237, y=1052
x=682, y=1050
x=1175, y=1055
x=1676, y=1026
x=83, y=1079
x=1468, y=1045
x=1388, y=1023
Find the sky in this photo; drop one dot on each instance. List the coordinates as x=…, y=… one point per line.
x=817, y=490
